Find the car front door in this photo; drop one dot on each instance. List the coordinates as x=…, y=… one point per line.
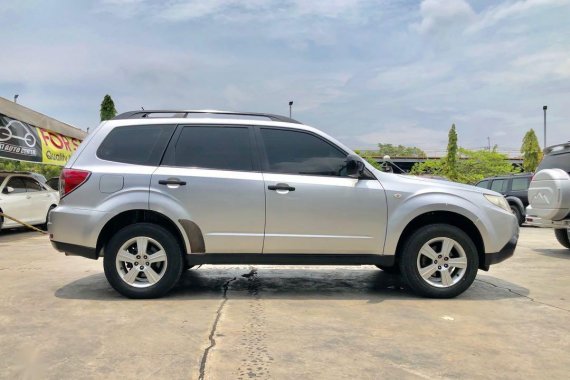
x=16, y=203
x=39, y=199
x=500, y=185
x=312, y=206
x=213, y=174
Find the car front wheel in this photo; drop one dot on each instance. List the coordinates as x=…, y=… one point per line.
x=143, y=260
x=439, y=261
x=516, y=212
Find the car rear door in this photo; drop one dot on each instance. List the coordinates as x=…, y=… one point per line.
x=211, y=174
x=519, y=189
x=312, y=206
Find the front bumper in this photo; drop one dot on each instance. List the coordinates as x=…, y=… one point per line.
x=507, y=251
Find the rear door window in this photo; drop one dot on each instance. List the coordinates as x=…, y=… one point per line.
x=136, y=144
x=499, y=185
x=213, y=147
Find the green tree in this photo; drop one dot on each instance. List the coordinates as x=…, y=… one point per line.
x=433, y=167
x=399, y=151
x=47, y=171
x=451, y=159
x=369, y=156
x=530, y=149
x=108, y=110
x=471, y=167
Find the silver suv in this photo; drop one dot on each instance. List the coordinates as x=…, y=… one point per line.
x=155, y=192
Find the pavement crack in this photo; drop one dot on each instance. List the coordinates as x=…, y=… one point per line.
x=522, y=295
x=211, y=337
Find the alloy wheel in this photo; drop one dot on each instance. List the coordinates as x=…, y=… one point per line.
x=141, y=262
x=442, y=262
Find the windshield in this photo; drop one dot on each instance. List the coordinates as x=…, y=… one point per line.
x=555, y=161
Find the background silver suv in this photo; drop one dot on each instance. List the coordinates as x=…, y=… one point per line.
x=155, y=192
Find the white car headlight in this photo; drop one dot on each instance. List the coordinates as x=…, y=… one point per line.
x=499, y=201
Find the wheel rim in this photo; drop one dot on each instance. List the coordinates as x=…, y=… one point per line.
x=442, y=262
x=141, y=262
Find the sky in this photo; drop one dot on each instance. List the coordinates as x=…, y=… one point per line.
x=364, y=71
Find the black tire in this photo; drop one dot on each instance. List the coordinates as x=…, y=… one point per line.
x=562, y=237
x=393, y=270
x=517, y=213
x=44, y=226
x=409, y=259
x=174, y=266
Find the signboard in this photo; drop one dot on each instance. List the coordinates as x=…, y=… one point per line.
x=25, y=142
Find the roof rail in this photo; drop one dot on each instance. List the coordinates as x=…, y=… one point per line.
x=184, y=114
x=15, y=172
x=559, y=148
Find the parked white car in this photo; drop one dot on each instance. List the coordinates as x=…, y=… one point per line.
x=25, y=198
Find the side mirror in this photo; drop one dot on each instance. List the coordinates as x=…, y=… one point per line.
x=354, y=166
x=8, y=190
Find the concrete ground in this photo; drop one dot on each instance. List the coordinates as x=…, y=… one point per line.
x=60, y=319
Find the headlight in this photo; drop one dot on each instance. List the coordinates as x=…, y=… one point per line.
x=498, y=201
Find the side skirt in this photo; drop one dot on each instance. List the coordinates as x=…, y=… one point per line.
x=290, y=259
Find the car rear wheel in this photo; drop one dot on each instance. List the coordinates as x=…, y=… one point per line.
x=44, y=226
x=562, y=237
x=439, y=261
x=143, y=260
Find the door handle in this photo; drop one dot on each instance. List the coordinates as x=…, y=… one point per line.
x=281, y=186
x=172, y=181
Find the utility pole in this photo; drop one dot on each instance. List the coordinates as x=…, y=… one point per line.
x=489, y=143
x=544, y=108
x=290, y=108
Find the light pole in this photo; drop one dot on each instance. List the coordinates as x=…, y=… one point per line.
x=290, y=108
x=544, y=108
x=16, y=98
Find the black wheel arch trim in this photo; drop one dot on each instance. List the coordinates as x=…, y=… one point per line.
x=496, y=257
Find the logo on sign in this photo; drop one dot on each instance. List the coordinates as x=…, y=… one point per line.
x=9, y=132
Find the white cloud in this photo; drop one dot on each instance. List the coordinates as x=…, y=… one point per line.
x=354, y=68
x=453, y=16
x=236, y=10
x=408, y=134
x=438, y=15
x=506, y=10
